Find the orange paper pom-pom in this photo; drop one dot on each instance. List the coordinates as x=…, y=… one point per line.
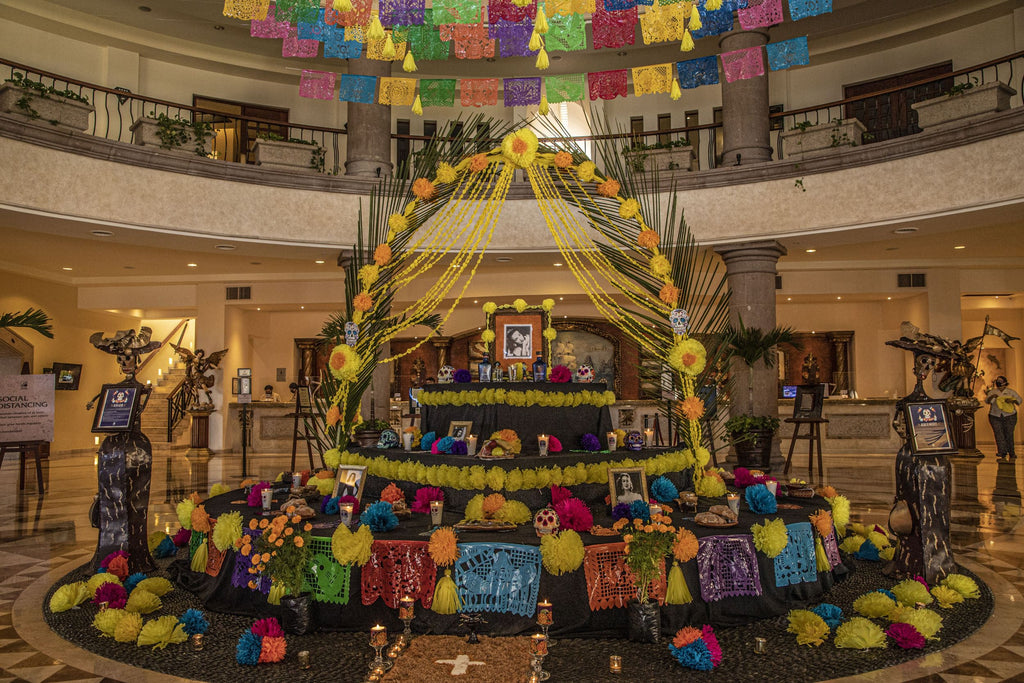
x=493, y=503
x=392, y=493
x=333, y=416
x=382, y=254
x=829, y=492
x=822, y=521
x=478, y=163
x=669, y=294
x=194, y=497
x=563, y=159
x=442, y=547
x=272, y=649
x=119, y=567
x=648, y=239
x=685, y=547
x=200, y=520
x=609, y=188
x=685, y=636
x=423, y=189
x=692, y=408
x=508, y=435
x=362, y=302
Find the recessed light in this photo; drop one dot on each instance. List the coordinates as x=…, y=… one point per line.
x=555, y=58
x=192, y=265
x=960, y=246
x=839, y=298
x=129, y=267
x=319, y=261
x=101, y=233
x=558, y=265
x=503, y=259
x=904, y=231
x=66, y=268
x=475, y=301
x=789, y=298
x=888, y=298
x=258, y=308
x=225, y=247
x=561, y=298
x=810, y=251
x=302, y=308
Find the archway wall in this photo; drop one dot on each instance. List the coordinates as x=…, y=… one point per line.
x=908, y=179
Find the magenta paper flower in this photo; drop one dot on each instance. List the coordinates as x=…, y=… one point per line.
x=424, y=496
x=906, y=636
x=574, y=514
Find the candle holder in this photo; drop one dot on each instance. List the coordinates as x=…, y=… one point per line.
x=734, y=503
x=539, y=650
x=542, y=444
x=471, y=444
x=346, y=510
x=104, y=606
x=406, y=612
x=379, y=641
x=304, y=660
x=649, y=438
x=615, y=664
x=760, y=646
x=197, y=642
x=545, y=618
x=613, y=440
x=266, y=497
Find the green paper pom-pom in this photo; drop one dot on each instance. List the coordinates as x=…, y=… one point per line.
x=810, y=628
x=964, y=585
x=184, y=510
x=860, y=634
x=926, y=621
x=162, y=632
x=514, y=511
x=946, y=596
x=227, y=531
x=562, y=552
x=911, y=592
x=157, y=585
x=851, y=544
x=219, y=489
x=69, y=595
x=107, y=620
x=97, y=580
x=771, y=538
x=127, y=629
x=141, y=601
x=874, y=605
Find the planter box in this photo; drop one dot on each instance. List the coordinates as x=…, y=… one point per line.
x=664, y=160
x=822, y=139
x=284, y=156
x=966, y=107
x=62, y=113
x=145, y=132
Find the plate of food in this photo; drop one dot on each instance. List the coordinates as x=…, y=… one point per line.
x=717, y=516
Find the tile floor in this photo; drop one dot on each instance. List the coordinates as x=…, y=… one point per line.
x=43, y=537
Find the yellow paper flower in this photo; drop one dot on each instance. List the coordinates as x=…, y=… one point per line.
x=487, y=336
x=344, y=363
x=520, y=147
x=398, y=223
x=1006, y=404
x=423, y=189
x=648, y=239
x=563, y=159
x=629, y=208
x=688, y=356
x=519, y=305
x=586, y=171
x=446, y=174
x=369, y=274
x=382, y=254
x=362, y=302
x=609, y=188
x=550, y=333
x=660, y=266
x=490, y=307
x=547, y=304
x=478, y=163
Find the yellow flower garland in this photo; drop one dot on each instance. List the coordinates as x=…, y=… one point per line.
x=519, y=399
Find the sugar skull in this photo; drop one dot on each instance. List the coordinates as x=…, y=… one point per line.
x=351, y=333
x=545, y=521
x=680, y=320
x=585, y=373
x=388, y=439
x=446, y=374
x=635, y=441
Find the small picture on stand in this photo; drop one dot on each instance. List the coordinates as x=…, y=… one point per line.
x=350, y=481
x=627, y=484
x=928, y=428
x=460, y=430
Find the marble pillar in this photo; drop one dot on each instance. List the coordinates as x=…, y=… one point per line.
x=369, y=127
x=745, y=125
x=750, y=271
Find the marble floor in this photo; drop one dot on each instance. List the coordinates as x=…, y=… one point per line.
x=43, y=537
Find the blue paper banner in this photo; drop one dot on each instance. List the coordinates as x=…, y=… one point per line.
x=796, y=563
x=787, y=53
x=356, y=88
x=694, y=73
x=498, y=577
x=801, y=9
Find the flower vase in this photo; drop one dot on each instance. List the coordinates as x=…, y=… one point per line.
x=297, y=614
x=644, y=621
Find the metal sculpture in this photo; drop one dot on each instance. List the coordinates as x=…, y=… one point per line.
x=125, y=463
x=196, y=380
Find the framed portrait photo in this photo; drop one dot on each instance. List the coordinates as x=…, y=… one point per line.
x=809, y=400
x=117, y=408
x=627, y=484
x=518, y=337
x=460, y=430
x=350, y=481
x=928, y=430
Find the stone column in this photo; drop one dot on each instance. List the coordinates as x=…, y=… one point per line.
x=750, y=270
x=745, y=107
x=369, y=127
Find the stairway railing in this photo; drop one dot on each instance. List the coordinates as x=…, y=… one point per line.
x=177, y=407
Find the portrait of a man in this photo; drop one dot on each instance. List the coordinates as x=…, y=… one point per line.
x=518, y=341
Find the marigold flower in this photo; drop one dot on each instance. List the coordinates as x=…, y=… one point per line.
x=660, y=266
x=253, y=524
x=279, y=542
x=629, y=208
x=382, y=254
x=520, y=147
x=563, y=159
x=446, y=174
x=344, y=364
x=362, y=302
x=685, y=547
x=586, y=171
x=692, y=408
x=442, y=547
x=264, y=523
x=272, y=537
x=669, y=294
x=299, y=542
x=289, y=531
x=265, y=557
x=333, y=416
x=307, y=527
x=648, y=239
x=609, y=188
x=423, y=189
x=478, y=163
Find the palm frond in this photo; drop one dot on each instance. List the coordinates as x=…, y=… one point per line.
x=32, y=318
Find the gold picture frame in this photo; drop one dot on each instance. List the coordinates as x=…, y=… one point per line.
x=460, y=429
x=350, y=481
x=621, y=492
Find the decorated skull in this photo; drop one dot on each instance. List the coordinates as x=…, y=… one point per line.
x=446, y=374
x=585, y=373
x=635, y=441
x=388, y=439
x=545, y=521
x=351, y=333
x=680, y=320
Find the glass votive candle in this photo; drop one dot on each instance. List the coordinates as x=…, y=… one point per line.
x=613, y=440
x=655, y=508
x=378, y=636
x=542, y=443
x=471, y=444
x=545, y=613
x=773, y=486
x=539, y=645
x=436, y=512
x=649, y=438
x=760, y=646
x=406, y=607
x=407, y=441
x=267, y=497
x=104, y=605
x=197, y=641
x=734, y=502
x=615, y=664
x=296, y=480
x=346, y=511
x=304, y=659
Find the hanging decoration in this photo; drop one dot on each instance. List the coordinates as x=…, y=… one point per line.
x=291, y=46
x=472, y=42
x=437, y=92
x=337, y=47
x=651, y=80
x=742, y=64
x=663, y=23
x=498, y=577
x=478, y=92
x=356, y=88
x=567, y=88
x=764, y=13
x=801, y=9
x=607, y=85
x=728, y=567
x=566, y=33
x=318, y=85
x=314, y=30
x=246, y=9
x=613, y=29
x=398, y=91
x=788, y=53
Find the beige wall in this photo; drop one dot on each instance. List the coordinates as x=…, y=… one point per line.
x=71, y=330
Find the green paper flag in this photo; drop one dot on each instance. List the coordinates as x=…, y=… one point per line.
x=568, y=88
x=457, y=12
x=425, y=41
x=566, y=33
x=437, y=92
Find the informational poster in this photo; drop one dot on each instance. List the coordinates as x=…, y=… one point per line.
x=26, y=408
x=116, y=410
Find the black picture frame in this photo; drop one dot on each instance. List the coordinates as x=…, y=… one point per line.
x=637, y=484
x=808, y=403
x=67, y=376
x=117, y=408
x=928, y=428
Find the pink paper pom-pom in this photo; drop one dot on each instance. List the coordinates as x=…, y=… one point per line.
x=559, y=493
x=182, y=538
x=574, y=514
x=424, y=496
x=906, y=636
x=712, y=642
x=743, y=477
x=268, y=627
x=113, y=594
x=560, y=374
x=554, y=445
x=920, y=580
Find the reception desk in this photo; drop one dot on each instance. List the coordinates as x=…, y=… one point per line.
x=855, y=425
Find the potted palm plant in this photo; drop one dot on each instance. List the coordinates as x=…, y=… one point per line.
x=751, y=435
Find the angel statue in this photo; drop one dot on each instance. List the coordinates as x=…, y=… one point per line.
x=196, y=366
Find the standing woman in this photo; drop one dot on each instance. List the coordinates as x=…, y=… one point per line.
x=1002, y=415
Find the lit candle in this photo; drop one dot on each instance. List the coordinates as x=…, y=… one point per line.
x=378, y=636
x=170, y=362
x=296, y=480
x=613, y=441
x=436, y=512
x=615, y=664
x=539, y=645
x=407, y=441
x=346, y=510
x=471, y=444
x=304, y=659
x=545, y=614
x=159, y=372
x=267, y=496
x=734, y=502
x=655, y=508
x=197, y=641
x=406, y=607
x=773, y=486
x=542, y=443
x=649, y=437
x=760, y=646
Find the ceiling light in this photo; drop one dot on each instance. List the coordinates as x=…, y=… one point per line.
x=302, y=308
x=503, y=259
x=101, y=233
x=839, y=298
x=960, y=246
x=225, y=247
x=810, y=251
x=258, y=308
x=789, y=298
x=558, y=265
x=904, y=231
x=193, y=265
x=561, y=298
x=475, y=301
x=66, y=268
x=888, y=298
x=319, y=261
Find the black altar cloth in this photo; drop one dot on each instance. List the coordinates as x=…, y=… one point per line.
x=568, y=424
x=568, y=592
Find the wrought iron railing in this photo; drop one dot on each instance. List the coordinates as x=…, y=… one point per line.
x=177, y=407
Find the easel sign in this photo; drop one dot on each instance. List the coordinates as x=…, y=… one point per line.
x=304, y=400
x=117, y=409
x=245, y=385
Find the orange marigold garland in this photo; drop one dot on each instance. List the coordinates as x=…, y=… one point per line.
x=362, y=302
x=478, y=163
x=609, y=188
x=648, y=239
x=669, y=294
x=424, y=189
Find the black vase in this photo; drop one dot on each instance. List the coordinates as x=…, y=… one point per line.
x=297, y=614
x=754, y=448
x=644, y=621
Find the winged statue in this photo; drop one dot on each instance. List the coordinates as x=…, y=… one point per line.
x=196, y=366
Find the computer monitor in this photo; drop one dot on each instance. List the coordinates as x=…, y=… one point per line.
x=789, y=391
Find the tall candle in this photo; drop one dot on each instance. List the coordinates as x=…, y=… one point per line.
x=539, y=644
x=613, y=441
x=542, y=443
x=734, y=502
x=296, y=480
x=436, y=512
x=649, y=437
x=346, y=510
x=267, y=497
x=407, y=441
x=406, y=607
x=378, y=636
x=471, y=444
x=545, y=614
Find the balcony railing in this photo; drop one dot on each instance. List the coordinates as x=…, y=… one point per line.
x=233, y=136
